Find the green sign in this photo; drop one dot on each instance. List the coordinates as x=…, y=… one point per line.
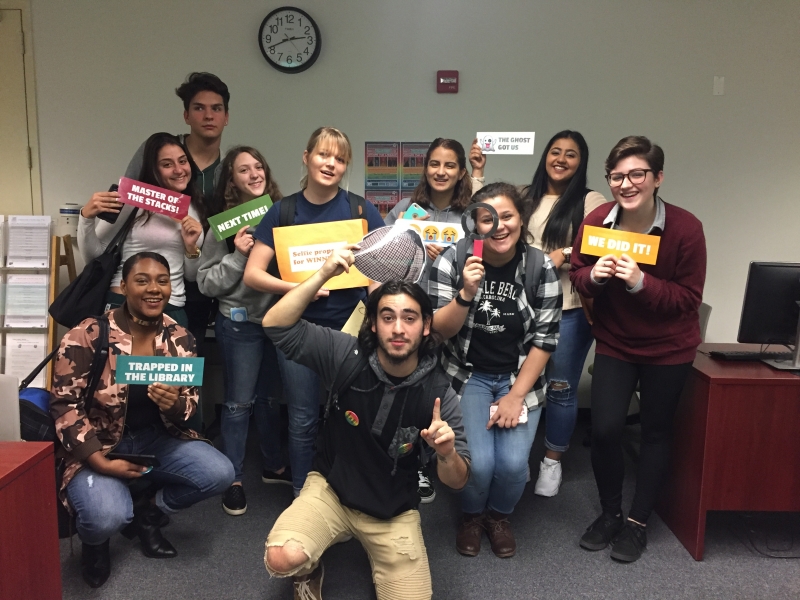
x=228, y=223
x=144, y=370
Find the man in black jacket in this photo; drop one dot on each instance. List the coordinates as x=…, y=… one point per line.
x=364, y=480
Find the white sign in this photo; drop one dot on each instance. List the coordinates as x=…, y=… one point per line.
x=312, y=256
x=504, y=142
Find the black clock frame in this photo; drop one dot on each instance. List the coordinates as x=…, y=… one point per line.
x=314, y=55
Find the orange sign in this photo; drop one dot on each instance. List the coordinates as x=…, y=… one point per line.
x=302, y=249
x=599, y=241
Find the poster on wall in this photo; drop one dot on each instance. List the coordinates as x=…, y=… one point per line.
x=413, y=162
x=381, y=168
x=384, y=200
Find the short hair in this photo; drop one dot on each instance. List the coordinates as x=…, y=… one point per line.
x=369, y=339
x=226, y=194
x=202, y=82
x=493, y=190
x=636, y=145
x=462, y=192
x=128, y=265
x=332, y=136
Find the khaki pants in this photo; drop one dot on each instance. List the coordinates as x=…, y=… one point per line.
x=395, y=547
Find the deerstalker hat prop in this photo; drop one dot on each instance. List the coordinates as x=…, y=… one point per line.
x=389, y=253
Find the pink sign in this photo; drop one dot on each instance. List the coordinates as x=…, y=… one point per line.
x=477, y=248
x=154, y=199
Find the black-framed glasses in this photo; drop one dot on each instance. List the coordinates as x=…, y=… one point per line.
x=636, y=177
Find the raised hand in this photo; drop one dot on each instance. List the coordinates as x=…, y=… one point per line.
x=438, y=435
x=477, y=159
x=605, y=267
x=101, y=202
x=628, y=270
x=472, y=275
x=243, y=242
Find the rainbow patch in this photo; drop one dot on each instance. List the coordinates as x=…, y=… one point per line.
x=351, y=417
x=404, y=449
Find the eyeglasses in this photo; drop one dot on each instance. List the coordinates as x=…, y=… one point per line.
x=636, y=177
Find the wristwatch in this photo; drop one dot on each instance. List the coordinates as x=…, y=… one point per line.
x=196, y=254
x=461, y=301
x=567, y=252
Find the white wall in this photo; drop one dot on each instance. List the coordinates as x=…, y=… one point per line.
x=106, y=72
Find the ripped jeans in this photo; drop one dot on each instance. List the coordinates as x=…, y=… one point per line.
x=251, y=373
x=563, y=375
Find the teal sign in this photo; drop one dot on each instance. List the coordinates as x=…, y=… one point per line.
x=228, y=223
x=144, y=370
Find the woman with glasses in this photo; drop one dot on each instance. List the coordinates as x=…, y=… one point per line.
x=559, y=200
x=646, y=324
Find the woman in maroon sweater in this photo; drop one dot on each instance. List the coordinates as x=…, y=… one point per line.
x=646, y=324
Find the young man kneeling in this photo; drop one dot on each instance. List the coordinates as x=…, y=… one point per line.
x=364, y=481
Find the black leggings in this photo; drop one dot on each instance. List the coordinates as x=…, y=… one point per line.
x=613, y=384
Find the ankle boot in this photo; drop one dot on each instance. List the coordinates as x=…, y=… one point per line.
x=145, y=524
x=95, y=563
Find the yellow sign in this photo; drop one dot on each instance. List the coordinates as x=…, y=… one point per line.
x=302, y=249
x=599, y=241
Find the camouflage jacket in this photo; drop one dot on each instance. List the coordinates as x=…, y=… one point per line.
x=83, y=434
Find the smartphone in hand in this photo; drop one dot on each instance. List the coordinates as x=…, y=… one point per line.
x=146, y=460
x=415, y=211
x=523, y=416
x=110, y=217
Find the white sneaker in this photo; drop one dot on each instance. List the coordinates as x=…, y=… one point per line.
x=549, y=478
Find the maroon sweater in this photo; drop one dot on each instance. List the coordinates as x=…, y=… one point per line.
x=660, y=324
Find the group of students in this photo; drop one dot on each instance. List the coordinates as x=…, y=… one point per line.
x=493, y=346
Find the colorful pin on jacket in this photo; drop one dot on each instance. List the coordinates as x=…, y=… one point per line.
x=351, y=417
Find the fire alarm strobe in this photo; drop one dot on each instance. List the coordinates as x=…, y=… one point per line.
x=447, y=82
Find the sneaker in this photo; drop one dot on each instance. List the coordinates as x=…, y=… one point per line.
x=629, y=544
x=309, y=587
x=273, y=477
x=426, y=491
x=233, y=501
x=549, y=478
x=600, y=533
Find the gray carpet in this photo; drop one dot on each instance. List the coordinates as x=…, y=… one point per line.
x=221, y=557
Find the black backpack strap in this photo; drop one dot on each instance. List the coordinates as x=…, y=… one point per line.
x=98, y=362
x=353, y=364
x=287, y=208
x=122, y=234
x=534, y=263
x=358, y=206
x=32, y=375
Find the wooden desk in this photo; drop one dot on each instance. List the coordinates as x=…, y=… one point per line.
x=736, y=445
x=30, y=564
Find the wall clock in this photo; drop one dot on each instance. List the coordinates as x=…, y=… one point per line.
x=289, y=39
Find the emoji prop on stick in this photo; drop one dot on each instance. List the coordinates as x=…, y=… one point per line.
x=477, y=238
x=390, y=253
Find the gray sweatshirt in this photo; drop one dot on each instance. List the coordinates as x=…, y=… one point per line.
x=220, y=277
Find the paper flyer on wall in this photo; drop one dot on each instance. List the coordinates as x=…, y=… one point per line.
x=413, y=163
x=23, y=352
x=26, y=301
x=28, y=241
x=381, y=165
x=384, y=200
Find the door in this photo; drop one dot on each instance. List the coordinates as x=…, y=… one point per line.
x=16, y=196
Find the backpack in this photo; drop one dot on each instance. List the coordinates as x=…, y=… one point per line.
x=534, y=262
x=350, y=369
x=36, y=424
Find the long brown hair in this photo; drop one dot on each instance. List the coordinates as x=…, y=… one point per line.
x=226, y=194
x=463, y=190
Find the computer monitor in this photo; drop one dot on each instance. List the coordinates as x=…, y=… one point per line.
x=771, y=308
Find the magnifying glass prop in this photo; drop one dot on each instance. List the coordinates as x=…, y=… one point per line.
x=477, y=238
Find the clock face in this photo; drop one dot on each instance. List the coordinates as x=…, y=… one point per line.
x=289, y=39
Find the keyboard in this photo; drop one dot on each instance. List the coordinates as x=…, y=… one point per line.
x=749, y=355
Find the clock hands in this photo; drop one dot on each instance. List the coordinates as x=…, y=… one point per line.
x=288, y=39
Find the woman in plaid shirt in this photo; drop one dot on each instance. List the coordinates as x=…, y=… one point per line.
x=496, y=349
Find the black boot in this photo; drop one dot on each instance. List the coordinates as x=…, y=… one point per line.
x=95, y=564
x=146, y=524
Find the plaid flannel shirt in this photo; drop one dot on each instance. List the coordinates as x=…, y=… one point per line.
x=541, y=321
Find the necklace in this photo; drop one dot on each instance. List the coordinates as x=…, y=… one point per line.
x=141, y=322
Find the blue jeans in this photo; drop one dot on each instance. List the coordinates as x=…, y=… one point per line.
x=251, y=368
x=563, y=375
x=301, y=390
x=190, y=471
x=499, y=455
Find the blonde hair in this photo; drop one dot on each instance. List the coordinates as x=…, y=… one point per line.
x=331, y=137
